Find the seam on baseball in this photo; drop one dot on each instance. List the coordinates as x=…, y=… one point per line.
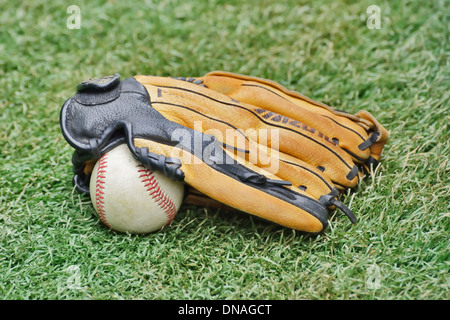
x=156, y=193
x=100, y=189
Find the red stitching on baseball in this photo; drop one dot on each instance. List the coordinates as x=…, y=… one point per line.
x=157, y=194
x=100, y=189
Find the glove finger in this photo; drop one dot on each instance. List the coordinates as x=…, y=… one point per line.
x=303, y=178
x=185, y=103
x=350, y=132
x=302, y=175
x=377, y=145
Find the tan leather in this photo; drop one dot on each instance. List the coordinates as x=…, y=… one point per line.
x=315, y=147
x=306, y=128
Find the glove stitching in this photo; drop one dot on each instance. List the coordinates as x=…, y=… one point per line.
x=264, y=121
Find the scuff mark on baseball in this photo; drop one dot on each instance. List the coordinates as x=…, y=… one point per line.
x=130, y=198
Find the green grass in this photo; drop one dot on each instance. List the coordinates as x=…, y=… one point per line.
x=53, y=247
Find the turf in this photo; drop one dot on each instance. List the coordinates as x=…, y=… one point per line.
x=53, y=247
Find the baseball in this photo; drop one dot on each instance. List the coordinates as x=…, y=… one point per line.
x=130, y=198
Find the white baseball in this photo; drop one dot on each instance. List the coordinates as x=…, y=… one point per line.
x=130, y=198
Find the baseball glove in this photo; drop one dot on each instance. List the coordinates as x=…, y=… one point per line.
x=246, y=142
